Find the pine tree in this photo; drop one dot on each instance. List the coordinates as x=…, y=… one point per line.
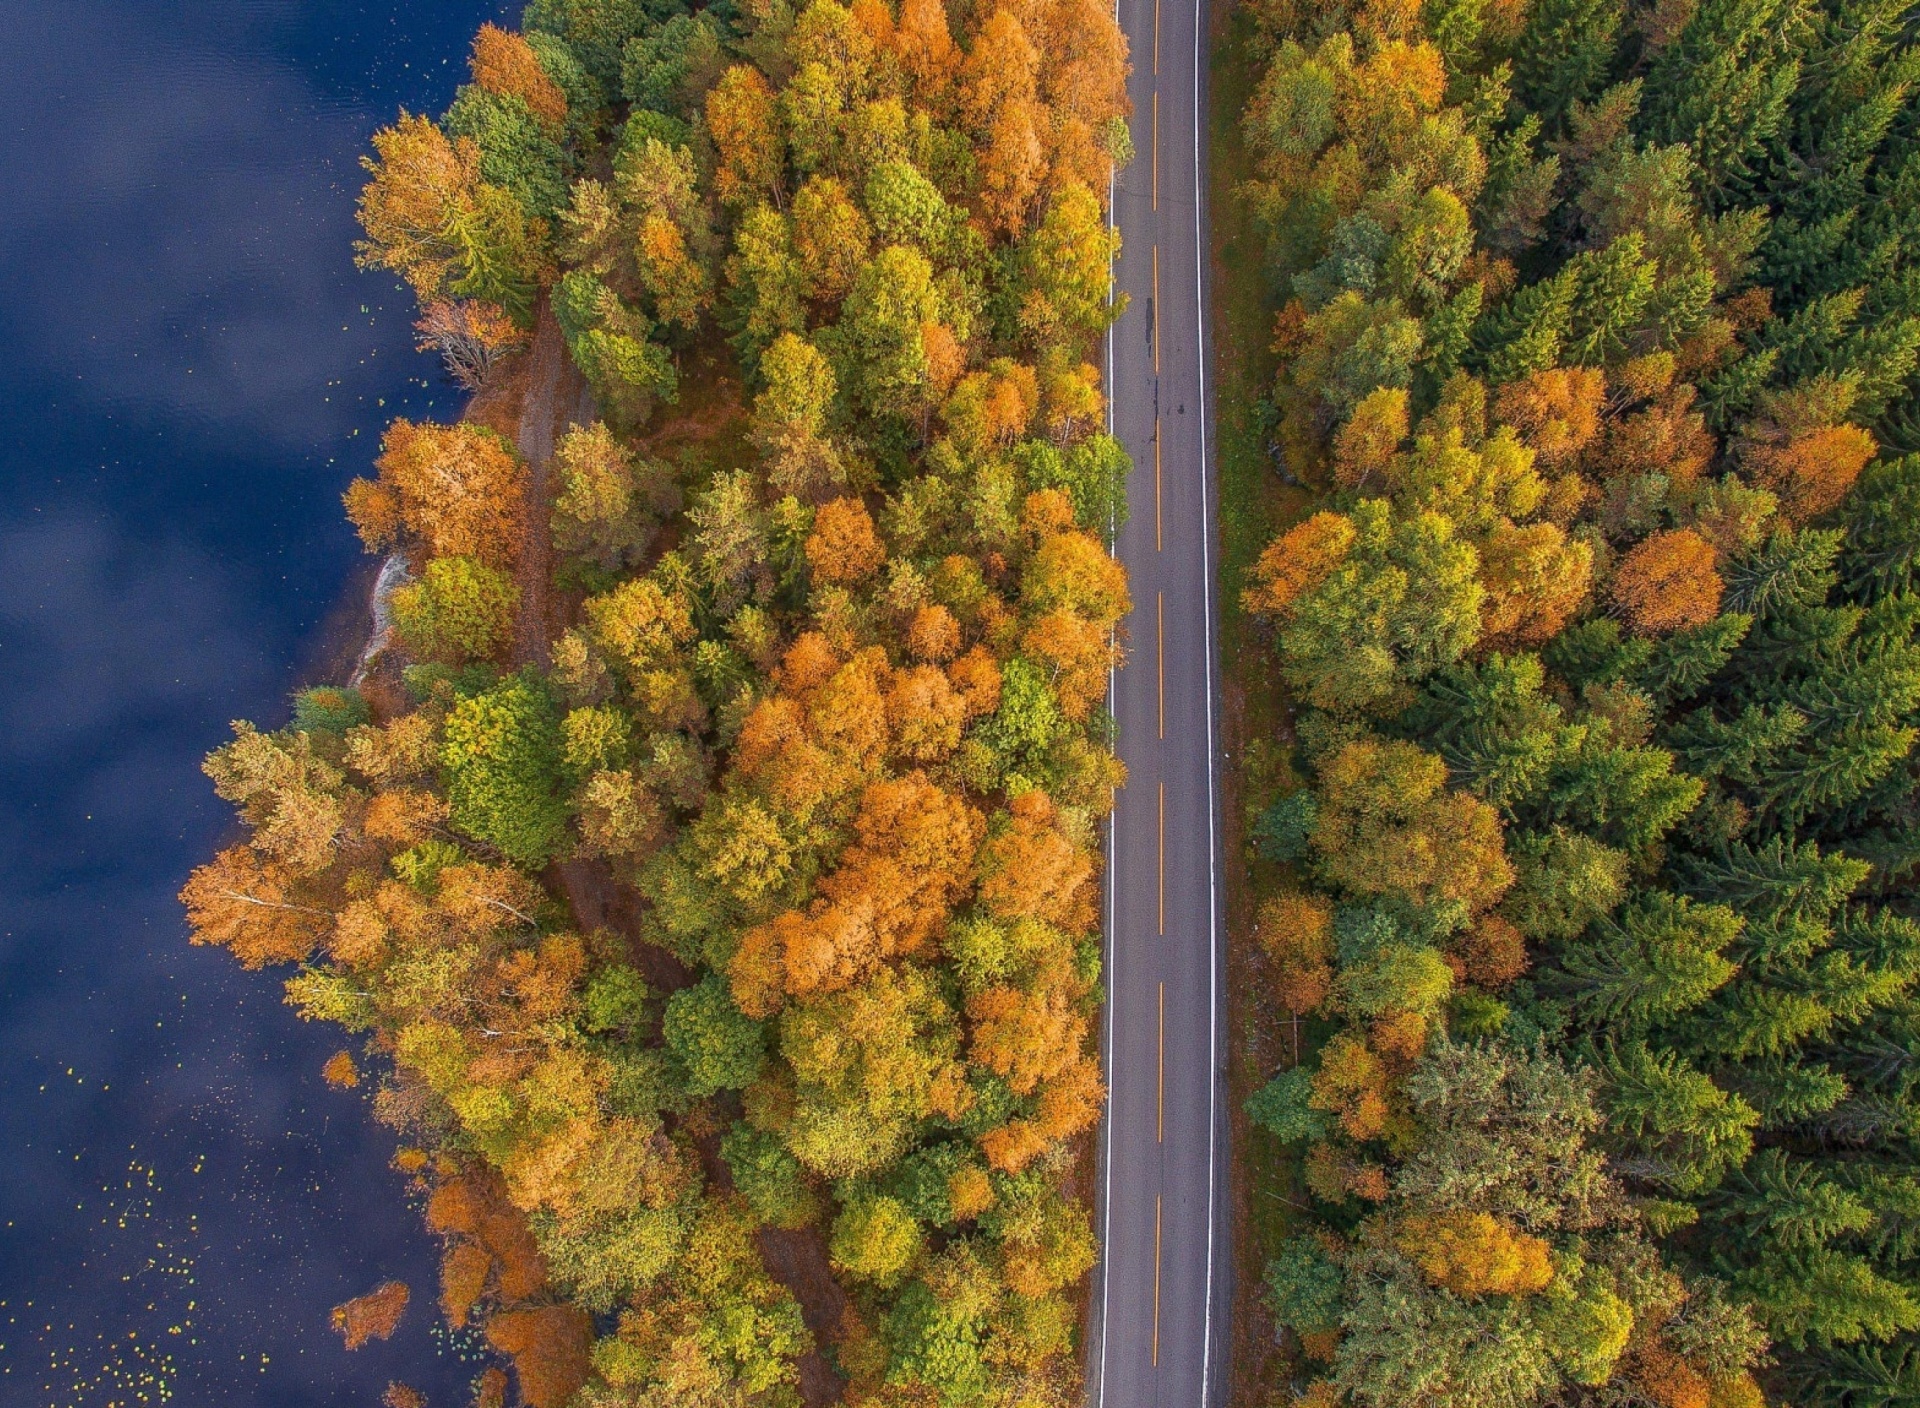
x=1660, y=957
x=1565, y=54
x=1724, y=85
x=1679, y=1130
x=1525, y=333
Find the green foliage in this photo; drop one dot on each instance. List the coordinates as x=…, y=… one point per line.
x=329, y=709
x=935, y=1345
x=1093, y=472
x=875, y=1238
x=595, y=31
x=517, y=154
x=1405, y=602
x=1661, y=957
x=1701, y=759
x=1284, y=1107
x=459, y=609
x=1282, y=831
x=670, y=68
x=769, y=1177
x=720, y=1046
x=1305, y=1286
x=615, y=1000
x=502, y=760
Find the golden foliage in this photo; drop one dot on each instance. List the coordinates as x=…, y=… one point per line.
x=1493, y=953
x=843, y=547
x=1298, y=561
x=474, y=1202
x=1351, y=1084
x=1556, y=411
x=549, y=1346
x=1670, y=1380
x=464, y=1269
x=1388, y=825
x=373, y=1316
x=419, y=178
x=340, y=1071
x=1473, y=1254
x=1030, y=870
x=1667, y=582
x=1536, y=579
x=457, y=489
x=1296, y=930
x=1363, y=447
x=505, y=64
x=743, y=118
x=246, y=903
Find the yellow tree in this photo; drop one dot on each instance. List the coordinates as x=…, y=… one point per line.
x=458, y=489
x=743, y=119
x=505, y=64
x=1668, y=582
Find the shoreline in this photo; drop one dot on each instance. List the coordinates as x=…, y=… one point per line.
x=393, y=575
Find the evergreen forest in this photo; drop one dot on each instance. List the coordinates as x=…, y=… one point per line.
x=1591, y=891
x=704, y=866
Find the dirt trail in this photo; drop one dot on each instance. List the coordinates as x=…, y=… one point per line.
x=553, y=395
x=798, y=1261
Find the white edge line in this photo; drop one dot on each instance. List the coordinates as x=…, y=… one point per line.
x=1106, y=1054
x=1213, y=858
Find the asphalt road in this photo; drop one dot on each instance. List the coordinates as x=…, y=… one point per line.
x=1160, y=1294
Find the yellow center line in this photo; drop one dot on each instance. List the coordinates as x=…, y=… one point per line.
x=1160, y=652
x=1156, y=1280
x=1156, y=481
x=1163, y=858
x=1160, y=1088
x=1156, y=38
x=1156, y=149
x=1156, y=310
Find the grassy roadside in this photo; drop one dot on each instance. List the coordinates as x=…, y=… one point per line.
x=1255, y=503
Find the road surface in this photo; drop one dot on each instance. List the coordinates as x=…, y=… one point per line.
x=1159, y=1310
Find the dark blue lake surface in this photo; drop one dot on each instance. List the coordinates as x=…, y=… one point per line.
x=192, y=370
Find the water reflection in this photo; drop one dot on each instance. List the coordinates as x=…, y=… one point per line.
x=193, y=370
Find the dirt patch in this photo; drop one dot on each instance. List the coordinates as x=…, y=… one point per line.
x=798, y=1261
x=551, y=395
x=497, y=404
x=599, y=901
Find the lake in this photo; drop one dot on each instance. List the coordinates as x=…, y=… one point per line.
x=193, y=370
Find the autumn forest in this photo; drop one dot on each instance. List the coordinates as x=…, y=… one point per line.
x=1588, y=888
x=706, y=867
x=703, y=868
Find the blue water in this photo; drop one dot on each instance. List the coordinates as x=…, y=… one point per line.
x=190, y=371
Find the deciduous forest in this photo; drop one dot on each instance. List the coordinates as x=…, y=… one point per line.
x=1590, y=896
x=706, y=867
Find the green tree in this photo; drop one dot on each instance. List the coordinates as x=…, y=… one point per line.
x=1065, y=264
x=517, y=152
x=879, y=340
x=1662, y=956
x=459, y=609
x=1724, y=84
x=1565, y=53
x=1404, y=602
x=769, y=1177
x=1677, y=1128
x=1304, y=1286
x=502, y=759
x=720, y=1047
x=875, y=1238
